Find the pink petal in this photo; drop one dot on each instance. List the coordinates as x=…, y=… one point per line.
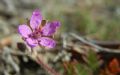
x=50, y=43
x=50, y=28
x=24, y=30
x=36, y=19
x=31, y=42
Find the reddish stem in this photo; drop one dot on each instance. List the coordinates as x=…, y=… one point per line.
x=46, y=66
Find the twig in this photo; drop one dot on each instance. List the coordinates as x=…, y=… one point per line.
x=17, y=53
x=106, y=44
x=35, y=57
x=98, y=48
x=40, y=61
x=6, y=72
x=8, y=59
x=64, y=36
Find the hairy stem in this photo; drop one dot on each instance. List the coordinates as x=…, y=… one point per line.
x=46, y=66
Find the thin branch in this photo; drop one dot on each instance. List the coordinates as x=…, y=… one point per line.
x=98, y=48
x=8, y=59
x=64, y=42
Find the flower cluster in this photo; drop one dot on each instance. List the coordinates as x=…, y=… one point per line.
x=38, y=31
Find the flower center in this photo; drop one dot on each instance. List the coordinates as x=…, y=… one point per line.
x=36, y=34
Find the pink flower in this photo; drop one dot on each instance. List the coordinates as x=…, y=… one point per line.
x=34, y=34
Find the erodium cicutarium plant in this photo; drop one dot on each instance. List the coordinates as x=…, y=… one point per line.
x=38, y=32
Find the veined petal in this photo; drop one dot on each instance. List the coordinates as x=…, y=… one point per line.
x=31, y=42
x=50, y=28
x=24, y=30
x=36, y=19
x=45, y=41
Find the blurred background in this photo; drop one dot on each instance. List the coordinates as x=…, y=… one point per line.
x=96, y=19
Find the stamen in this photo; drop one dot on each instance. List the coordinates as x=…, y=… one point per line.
x=28, y=23
x=43, y=22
